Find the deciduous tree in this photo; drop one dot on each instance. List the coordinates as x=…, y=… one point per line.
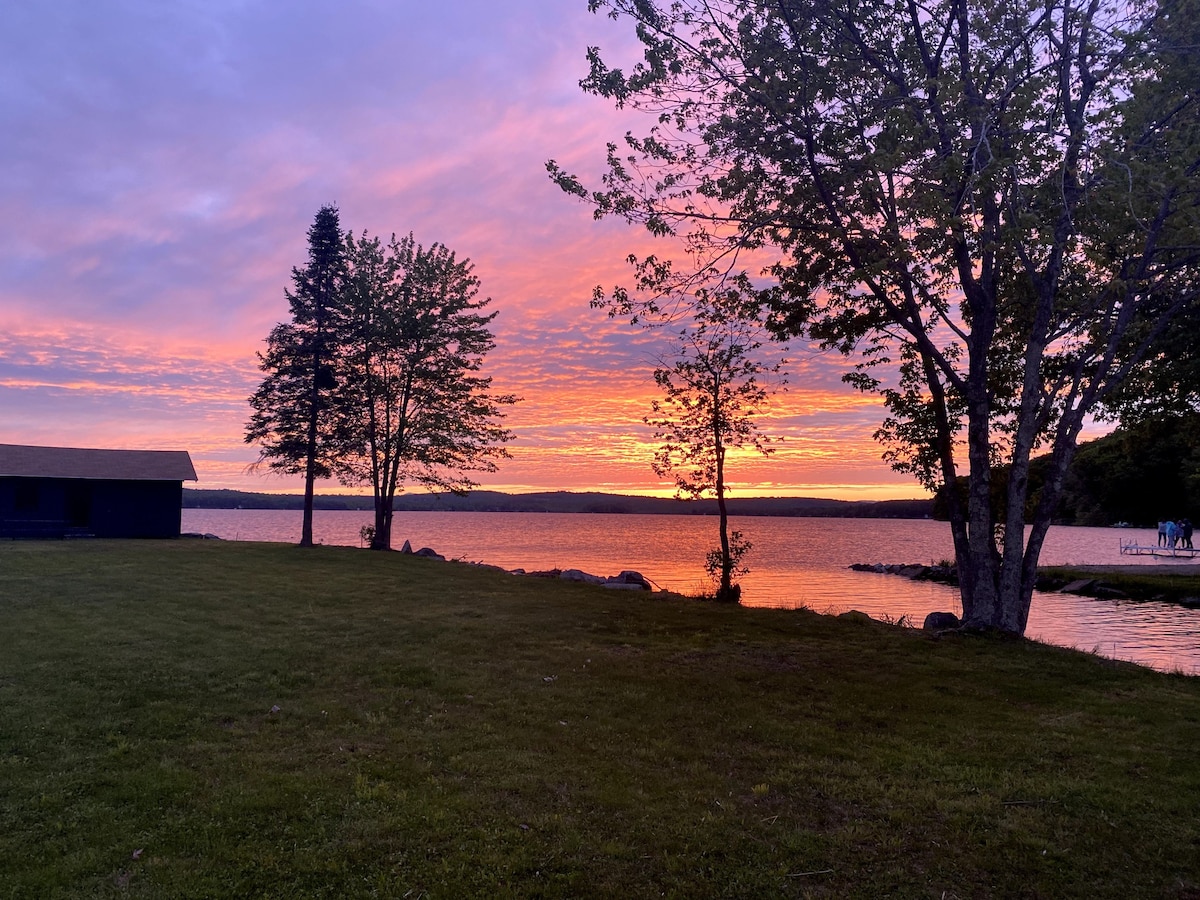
x=413, y=406
x=992, y=207
x=715, y=380
x=712, y=391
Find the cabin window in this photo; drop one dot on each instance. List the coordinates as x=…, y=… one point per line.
x=79, y=504
x=25, y=499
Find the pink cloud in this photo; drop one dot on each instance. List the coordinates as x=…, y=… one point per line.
x=164, y=166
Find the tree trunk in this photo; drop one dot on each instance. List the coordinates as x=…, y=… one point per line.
x=978, y=570
x=383, y=527
x=306, y=531
x=310, y=466
x=726, y=587
x=726, y=592
x=310, y=477
x=385, y=474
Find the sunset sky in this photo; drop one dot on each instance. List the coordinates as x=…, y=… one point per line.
x=161, y=163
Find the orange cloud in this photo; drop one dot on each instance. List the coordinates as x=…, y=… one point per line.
x=158, y=199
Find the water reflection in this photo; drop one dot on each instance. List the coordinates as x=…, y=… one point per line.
x=795, y=562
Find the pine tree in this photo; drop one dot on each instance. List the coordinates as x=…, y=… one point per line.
x=291, y=419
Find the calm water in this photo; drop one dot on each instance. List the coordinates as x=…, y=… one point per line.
x=795, y=562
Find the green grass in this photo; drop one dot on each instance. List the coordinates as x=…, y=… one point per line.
x=1170, y=587
x=447, y=731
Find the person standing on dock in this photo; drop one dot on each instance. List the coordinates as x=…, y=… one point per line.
x=1172, y=535
x=1185, y=532
x=1162, y=534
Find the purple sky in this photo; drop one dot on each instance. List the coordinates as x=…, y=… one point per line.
x=161, y=163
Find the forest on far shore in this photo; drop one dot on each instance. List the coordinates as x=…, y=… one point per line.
x=572, y=502
x=1138, y=476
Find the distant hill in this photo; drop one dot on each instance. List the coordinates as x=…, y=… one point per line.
x=1142, y=475
x=570, y=502
x=1137, y=475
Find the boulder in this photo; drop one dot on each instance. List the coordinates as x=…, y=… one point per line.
x=1045, y=582
x=632, y=578
x=941, y=621
x=578, y=575
x=856, y=615
x=429, y=553
x=1082, y=586
x=1108, y=592
x=407, y=548
x=939, y=575
x=912, y=571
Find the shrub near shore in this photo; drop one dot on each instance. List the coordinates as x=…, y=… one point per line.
x=206, y=719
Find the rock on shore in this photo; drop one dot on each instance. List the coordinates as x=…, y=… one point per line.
x=627, y=580
x=915, y=571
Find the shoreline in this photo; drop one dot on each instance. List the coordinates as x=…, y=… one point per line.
x=1178, y=585
x=1188, y=570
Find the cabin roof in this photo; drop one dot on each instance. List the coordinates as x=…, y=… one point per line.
x=19, y=461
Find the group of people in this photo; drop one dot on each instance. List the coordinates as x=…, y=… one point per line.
x=1173, y=535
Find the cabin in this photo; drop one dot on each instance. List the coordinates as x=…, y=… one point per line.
x=64, y=492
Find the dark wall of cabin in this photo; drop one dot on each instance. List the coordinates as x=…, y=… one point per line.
x=61, y=507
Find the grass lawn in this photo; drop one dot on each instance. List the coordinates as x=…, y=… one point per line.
x=203, y=719
x=1173, y=584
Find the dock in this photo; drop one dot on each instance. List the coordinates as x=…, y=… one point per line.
x=1135, y=549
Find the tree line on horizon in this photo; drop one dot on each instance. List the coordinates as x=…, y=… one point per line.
x=1138, y=475
x=570, y=502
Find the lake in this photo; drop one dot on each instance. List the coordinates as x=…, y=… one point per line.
x=795, y=562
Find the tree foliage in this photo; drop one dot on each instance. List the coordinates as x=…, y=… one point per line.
x=992, y=208
x=413, y=406
x=291, y=411
x=1165, y=382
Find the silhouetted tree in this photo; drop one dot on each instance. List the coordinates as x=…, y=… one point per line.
x=291, y=417
x=993, y=208
x=715, y=383
x=412, y=405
